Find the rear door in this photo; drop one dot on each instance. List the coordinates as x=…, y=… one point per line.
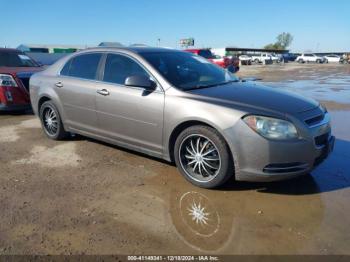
x=130, y=115
x=76, y=88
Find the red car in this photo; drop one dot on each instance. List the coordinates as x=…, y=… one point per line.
x=230, y=63
x=15, y=71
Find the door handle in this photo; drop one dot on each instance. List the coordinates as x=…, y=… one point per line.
x=59, y=84
x=103, y=92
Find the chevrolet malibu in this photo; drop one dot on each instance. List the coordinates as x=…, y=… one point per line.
x=180, y=107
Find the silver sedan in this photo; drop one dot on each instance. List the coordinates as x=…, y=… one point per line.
x=180, y=107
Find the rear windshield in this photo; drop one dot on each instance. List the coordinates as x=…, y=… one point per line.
x=16, y=60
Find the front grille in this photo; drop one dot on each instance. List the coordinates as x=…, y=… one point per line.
x=25, y=82
x=314, y=120
x=285, y=167
x=322, y=140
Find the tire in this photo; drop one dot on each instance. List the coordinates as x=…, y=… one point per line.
x=206, y=149
x=300, y=61
x=53, y=128
x=256, y=61
x=318, y=61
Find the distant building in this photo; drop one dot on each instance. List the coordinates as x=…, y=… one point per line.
x=243, y=51
x=50, y=49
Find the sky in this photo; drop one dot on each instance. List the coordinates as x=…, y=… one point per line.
x=316, y=25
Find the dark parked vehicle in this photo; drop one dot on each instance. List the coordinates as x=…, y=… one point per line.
x=15, y=71
x=180, y=107
x=289, y=57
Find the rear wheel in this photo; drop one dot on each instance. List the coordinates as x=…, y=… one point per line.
x=51, y=121
x=300, y=61
x=203, y=157
x=256, y=61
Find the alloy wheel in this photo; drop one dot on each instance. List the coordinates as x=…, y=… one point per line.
x=199, y=158
x=50, y=121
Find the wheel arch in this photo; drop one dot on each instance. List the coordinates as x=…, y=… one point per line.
x=46, y=97
x=42, y=100
x=186, y=124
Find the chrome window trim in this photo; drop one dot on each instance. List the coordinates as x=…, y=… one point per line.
x=159, y=88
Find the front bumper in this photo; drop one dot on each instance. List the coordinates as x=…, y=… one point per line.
x=14, y=107
x=259, y=159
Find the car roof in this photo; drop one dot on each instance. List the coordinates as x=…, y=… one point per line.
x=9, y=50
x=134, y=49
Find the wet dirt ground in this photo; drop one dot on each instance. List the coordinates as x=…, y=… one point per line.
x=81, y=196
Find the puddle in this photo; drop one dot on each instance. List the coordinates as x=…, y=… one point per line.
x=323, y=89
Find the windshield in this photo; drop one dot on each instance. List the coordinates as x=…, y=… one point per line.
x=187, y=71
x=16, y=60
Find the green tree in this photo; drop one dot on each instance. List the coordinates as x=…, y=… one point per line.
x=272, y=46
x=283, y=41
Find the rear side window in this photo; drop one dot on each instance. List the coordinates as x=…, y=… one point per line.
x=119, y=67
x=65, y=69
x=82, y=66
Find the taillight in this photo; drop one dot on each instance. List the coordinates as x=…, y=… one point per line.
x=7, y=80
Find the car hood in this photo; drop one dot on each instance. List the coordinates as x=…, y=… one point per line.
x=16, y=70
x=257, y=96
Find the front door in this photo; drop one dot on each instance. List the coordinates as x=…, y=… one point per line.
x=130, y=115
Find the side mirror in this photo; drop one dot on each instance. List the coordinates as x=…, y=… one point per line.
x=141, y=81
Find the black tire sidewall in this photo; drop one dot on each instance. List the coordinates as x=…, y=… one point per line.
x=61, y=133
x=226, y=170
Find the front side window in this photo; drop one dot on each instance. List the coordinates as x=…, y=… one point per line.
x=119, y=67
x=82, y=66
x=187, y=71
x=13, y=59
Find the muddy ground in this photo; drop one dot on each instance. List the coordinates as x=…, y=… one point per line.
x=81, y=196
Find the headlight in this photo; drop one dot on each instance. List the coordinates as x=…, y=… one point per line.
x=271, y=128
x=7, y=80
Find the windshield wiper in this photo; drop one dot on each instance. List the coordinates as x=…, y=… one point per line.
x=212, y=85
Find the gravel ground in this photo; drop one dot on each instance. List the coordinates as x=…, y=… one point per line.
x=81, y=196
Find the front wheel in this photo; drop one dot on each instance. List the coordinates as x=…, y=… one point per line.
x=203, y=157
x=51, y=121
x=300, y=61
